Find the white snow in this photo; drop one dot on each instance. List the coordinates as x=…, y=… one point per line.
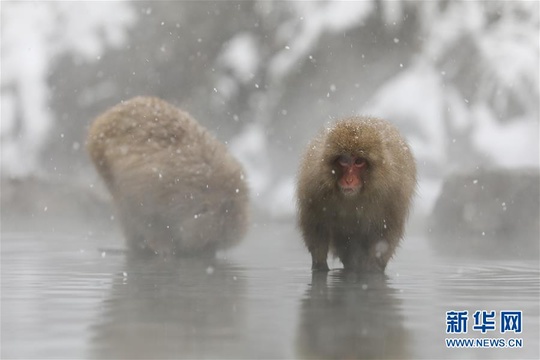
x=250, y=147
x=415, y=96
x=510, y=145
x=423, y=97
x=241, y=56
x=239, y=60
x=281, y=199
x=303, y=32
x=34, y=34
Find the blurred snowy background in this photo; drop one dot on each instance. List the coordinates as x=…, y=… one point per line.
x=459, y=78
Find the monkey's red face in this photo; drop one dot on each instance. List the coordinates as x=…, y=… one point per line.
x=351, y=177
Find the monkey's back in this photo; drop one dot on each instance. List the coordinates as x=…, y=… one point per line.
x=176, y=187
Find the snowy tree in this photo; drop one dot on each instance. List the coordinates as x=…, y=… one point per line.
x=34, y=35
x=468, y=96
x=459, y=78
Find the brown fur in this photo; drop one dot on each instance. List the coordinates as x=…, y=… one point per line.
x=363, y=230
x=176, y=188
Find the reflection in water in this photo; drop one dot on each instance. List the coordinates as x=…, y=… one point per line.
x=350, y=316
x=62, y=299
x=181, y=308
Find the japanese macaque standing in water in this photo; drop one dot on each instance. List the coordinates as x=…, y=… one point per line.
x=177, y=189
x=354, y=191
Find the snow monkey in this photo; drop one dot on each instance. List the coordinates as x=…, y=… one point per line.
x=354, y=191
x=177, y=189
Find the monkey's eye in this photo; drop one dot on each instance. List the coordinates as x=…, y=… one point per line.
x=359, y=162
x=344, y=160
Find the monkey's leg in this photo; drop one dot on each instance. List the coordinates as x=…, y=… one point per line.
x=316, y=236
x=346, y=251
x=380, y=252
x=317, y=241
x=357, y=254
x=363, y=256
x=318, y=256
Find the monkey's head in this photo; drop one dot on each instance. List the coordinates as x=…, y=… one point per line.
x=353, y=152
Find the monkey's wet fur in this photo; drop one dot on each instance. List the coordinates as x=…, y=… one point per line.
x=177, y=189
x=354, y=191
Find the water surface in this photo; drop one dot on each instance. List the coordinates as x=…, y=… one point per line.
x=71, y=296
